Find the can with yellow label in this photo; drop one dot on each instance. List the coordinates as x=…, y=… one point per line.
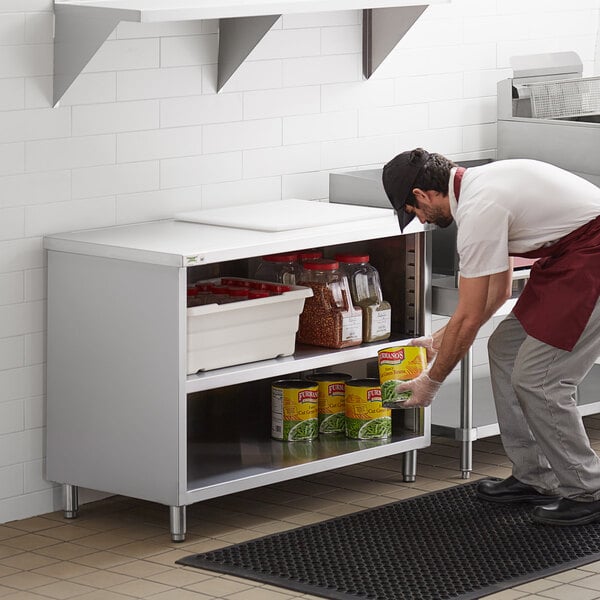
x=294, y=410
x=332, y=393
x=366, y=419
x=396, y=364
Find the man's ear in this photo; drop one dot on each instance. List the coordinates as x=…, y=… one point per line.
x=420, y=195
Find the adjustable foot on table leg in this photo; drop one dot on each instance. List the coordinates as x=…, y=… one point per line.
x=409, y=466
x=178, y=524
x=71, y=500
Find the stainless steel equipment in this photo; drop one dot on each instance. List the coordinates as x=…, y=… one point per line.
x=365, y=188
x=548, y=112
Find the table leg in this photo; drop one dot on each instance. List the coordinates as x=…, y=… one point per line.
x=178, y=523
x=466, y=414
x=71, y=500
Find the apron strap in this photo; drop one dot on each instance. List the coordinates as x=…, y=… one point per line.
x=460, y=171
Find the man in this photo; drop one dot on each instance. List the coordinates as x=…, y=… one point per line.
x=546, y=346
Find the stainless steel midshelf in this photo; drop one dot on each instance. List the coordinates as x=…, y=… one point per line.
x=304, y=358
x=225, y=468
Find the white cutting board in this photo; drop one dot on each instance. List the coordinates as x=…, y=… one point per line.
x=283, y=215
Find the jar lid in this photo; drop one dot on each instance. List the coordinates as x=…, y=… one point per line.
x=352, y=258
x=280, y=257
x=309, y=255
x=323, y=264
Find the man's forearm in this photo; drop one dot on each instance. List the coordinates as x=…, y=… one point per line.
x=458, y=338
x=478, y=300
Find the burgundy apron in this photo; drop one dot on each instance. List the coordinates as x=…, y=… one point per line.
x=563, y=287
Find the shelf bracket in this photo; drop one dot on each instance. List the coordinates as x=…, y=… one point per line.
x=237, y=38
x=383, y=28
x=79, y=32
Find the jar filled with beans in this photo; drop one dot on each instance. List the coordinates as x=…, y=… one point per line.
x=329, y=318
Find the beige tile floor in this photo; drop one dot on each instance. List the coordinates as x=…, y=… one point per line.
x=119, y=548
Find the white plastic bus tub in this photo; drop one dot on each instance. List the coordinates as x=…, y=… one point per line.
x=222, y=335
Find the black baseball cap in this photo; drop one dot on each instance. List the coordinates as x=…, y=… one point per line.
x=399, y=177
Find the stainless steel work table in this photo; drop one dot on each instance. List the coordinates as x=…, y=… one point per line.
x=124, y=415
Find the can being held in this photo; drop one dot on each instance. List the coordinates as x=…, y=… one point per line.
x=366, y=419
x=396, y=364
x=294, y=410
x=332, y=393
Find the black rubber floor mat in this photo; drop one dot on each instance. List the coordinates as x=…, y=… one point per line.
x=442, y=545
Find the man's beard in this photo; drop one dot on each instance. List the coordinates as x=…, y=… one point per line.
x=440, y=219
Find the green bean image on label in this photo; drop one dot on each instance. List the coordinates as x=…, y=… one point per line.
x=303, y=430
x=333, y=423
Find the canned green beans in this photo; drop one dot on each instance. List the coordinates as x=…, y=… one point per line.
x=397, y=364
x=366, y=419
x=332, y=393
x=294, y=410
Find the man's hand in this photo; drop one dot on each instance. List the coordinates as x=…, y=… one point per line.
x=423, y=390
x=431, y=343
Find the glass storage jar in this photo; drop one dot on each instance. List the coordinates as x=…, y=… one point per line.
x=280, y=268
x=329, y=318
x=365, y=289
x=306, y=255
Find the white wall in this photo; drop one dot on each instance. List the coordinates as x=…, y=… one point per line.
x=142, y=134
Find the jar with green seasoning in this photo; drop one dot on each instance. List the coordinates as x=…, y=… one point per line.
x=329, y=317
x=365, y=289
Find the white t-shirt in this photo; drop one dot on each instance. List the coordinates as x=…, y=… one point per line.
x=514, y=206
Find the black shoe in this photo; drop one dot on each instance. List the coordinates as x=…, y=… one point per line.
x=567, y=512
x=511, y=490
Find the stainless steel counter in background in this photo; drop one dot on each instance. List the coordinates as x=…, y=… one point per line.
x=464, y=408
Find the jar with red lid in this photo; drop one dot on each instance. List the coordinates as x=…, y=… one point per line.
x=308, y=255
x=329, y=318
x=365, y=289
x=279, y=268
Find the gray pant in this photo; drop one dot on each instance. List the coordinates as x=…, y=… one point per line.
x=534, y=387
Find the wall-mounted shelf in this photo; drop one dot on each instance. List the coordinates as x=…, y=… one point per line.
x=82, y=26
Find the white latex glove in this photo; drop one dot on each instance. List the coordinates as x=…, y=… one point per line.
x=423, y=390
x=431, y=343
x=426, y=342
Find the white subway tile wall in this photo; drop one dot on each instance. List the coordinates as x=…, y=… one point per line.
x=142, y=134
